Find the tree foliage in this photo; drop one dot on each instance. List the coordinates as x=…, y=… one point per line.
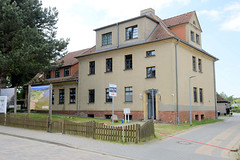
x=28, y=40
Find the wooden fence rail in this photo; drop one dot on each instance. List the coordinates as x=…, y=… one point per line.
x=132, y=133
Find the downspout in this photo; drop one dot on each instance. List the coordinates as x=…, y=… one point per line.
x=215, y=99
x=176, y=65
x=117, y=35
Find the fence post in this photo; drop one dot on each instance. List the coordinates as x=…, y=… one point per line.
x=5, y=120
x=63, y=126
x=94, y=129
x=138, y=133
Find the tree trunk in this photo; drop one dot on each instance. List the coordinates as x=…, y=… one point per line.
x=3, y=81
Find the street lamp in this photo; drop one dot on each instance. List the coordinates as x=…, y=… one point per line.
x=190, y=99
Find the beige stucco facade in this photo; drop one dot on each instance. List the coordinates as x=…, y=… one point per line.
x=173, y=62
x=66, y=106
x=164, y=82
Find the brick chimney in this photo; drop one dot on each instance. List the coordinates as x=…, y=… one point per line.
x=147, y=11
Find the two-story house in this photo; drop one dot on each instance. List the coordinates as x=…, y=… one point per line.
x=64, y=82
x=150, y=60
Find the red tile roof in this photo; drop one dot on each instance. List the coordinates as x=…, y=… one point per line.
x=69, y=58
x=181, y=19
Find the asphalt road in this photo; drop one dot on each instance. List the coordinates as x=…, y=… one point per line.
x=16, y=143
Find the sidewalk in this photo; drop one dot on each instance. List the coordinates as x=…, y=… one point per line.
x=76, y=142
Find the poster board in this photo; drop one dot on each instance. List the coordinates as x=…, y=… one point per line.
x=39, y=97
x=11, y=96
x=3, y=104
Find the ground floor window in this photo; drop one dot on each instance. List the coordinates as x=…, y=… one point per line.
x=72, y=95
x=108, y=97
x=128, y=94
x=61, y=96
x=91, y=95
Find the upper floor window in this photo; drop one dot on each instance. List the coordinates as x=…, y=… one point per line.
x=108, y=97
x=91, y=95
x=107, y=39
x=66, y=71
x=72, y=95
x=57, y=73
x=128, y=61
x=92, y=67
x=109, y=65
x=48, y=75
x=192, y=36
x=194, y=63
x=199, y=65
x=201, y=95
x=128, y=94
x=150, y=53
x=131, y=32
x=61, y=96
x=197, y=39
x=151, y=72
x=195, y=94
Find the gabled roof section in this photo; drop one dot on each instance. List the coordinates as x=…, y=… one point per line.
x=69, y=59
x=220, y=99
x=180, y=19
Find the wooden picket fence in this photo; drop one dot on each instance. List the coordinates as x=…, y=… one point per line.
x=132, y=133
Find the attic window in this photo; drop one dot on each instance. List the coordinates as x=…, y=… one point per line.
x=194, y=22
x=131, y=32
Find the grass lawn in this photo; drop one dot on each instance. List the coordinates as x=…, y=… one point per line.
x=171, y=129
x=71, y=118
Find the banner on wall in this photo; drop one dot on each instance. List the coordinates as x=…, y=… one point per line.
x=39, y=97
x=10, y=93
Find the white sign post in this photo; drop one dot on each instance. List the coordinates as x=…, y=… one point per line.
x=3, y=104
x=112, y=93
x=126, y=112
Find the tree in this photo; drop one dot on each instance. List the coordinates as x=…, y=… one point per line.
x=27, y=40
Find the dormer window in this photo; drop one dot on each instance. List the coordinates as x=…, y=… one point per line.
x=48, y=75
x=194, y=22
x=131, y=32
x=107, y=39
x=192, y=36
x=66, y=71
x=57, y=73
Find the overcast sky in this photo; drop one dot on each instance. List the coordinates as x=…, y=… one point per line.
x=219, y=20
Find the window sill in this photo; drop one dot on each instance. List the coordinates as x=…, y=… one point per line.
x=195, y=70
x=128, y=102
x=150, y=56
x=91, y=74
x=60, y=103
x=106, y=45
x=128, y=69
x=72, y=103
x=108, y=102
x=200, y=71
x=131, y=39
x=150, y=78
x=91, y=103
x=108, y=72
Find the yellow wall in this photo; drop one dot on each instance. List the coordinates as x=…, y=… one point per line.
x=145, y=28
x=165, y=80
x=66, y=86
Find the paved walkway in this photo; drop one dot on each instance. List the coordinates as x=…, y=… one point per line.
x=226, y=134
